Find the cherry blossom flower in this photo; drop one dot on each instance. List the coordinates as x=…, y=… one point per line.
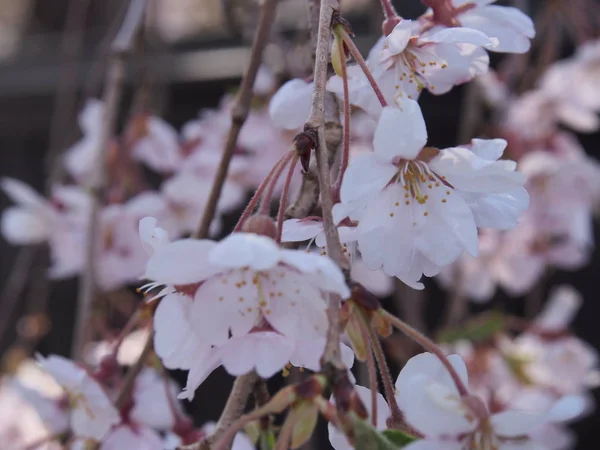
x=511, y=27
x=158, y=146
x=290, y=106
x=406, y=62
x=20, y=424
x=236, y=285
x=432, y=405
x=92, y=413
x=125, y=436
x=418, y=208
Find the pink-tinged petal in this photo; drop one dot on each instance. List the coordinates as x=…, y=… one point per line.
x=430, y=365
x=125, y=437
x=223, y=303
x=567, y=408
x=22, y=226
x=152, y=397
x=176, y=345
x=22, y=194
x=290, y=106
x=499, y=211
x=512, y=16
x=397, y=40
x=560, y=309
x=509, y=40
x=265, y=351
x=400, y=132
x=245, y=250
x=427, y=444
x=324, y=272
x=375, y=281
x=459, y=35
x=435, y=409
x=298, y=230
x=150, y=235
x=466, y=171
x=203, y=365
x=181, y=262
x=509, y=424
x=489, y=149
x=365, y=177
x=90, y=117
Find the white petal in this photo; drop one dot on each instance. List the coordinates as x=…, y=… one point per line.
x=515, y=423
x=22, y=226
x=426, y=444
x=365, y=176
x=400, y=132
x=567, y=408
x=489, y=149
x=297, y=230
x=429, y=364
x=150, y=235
x=398, y=39
x=245, y=250
x=181, y=262
x=459, y=35
x=290, y=106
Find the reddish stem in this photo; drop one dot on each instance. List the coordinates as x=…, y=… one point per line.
x=346, y=132
x=265, y=203
x=284, y=198
x=428, y=345
x=363, y=65
x=388, y=9
x=373, y=382
x=259, y=191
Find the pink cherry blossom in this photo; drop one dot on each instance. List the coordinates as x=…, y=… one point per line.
x=159, y=146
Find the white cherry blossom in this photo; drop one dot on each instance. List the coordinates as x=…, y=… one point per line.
x=510, y=26
x=158, y=146
x=432, y=405
x=92, y=412
x=406, y=62
x=419, y=208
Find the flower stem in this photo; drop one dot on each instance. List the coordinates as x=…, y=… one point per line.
x=284, y=198
x=121, y=47
x=428, y=345
x=363, y=65
x=388, y=385
x=239, y=113
x=259, y=192
x=373, y=383
x=265, y=203
x=346, y=131
x=388, y=9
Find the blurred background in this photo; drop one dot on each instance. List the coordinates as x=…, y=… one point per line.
x=53, y=57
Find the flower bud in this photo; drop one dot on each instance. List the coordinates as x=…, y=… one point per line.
x=260, y=224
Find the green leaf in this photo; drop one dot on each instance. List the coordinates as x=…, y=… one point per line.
x=400, y=438
x=479, y=329
x=368, y=438
x=305, y=416
x=267, y=440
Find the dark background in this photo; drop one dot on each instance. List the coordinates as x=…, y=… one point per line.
x=33, y=124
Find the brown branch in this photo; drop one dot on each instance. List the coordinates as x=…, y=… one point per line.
x=239, y=113
x=122, y=46
x=132, y=374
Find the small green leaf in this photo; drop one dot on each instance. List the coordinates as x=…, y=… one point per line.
x=479, y=329
x=400, y=438
x=305, y=416
x=368, y=438
x=267, y=440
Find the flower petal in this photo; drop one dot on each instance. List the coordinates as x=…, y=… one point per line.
x=400, y=132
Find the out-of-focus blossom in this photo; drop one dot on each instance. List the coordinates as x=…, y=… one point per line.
x=158, y=145
x=92, y=413
x=290, y=106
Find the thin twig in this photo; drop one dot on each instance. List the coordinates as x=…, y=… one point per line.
x=122, y=45
x=239, y=113
x=428, y=345
x=316, y=123
x=13, y=287
x=284, y=198
x=133, y=372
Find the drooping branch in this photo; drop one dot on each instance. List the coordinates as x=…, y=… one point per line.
x=122, y=46
x=239, y=113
